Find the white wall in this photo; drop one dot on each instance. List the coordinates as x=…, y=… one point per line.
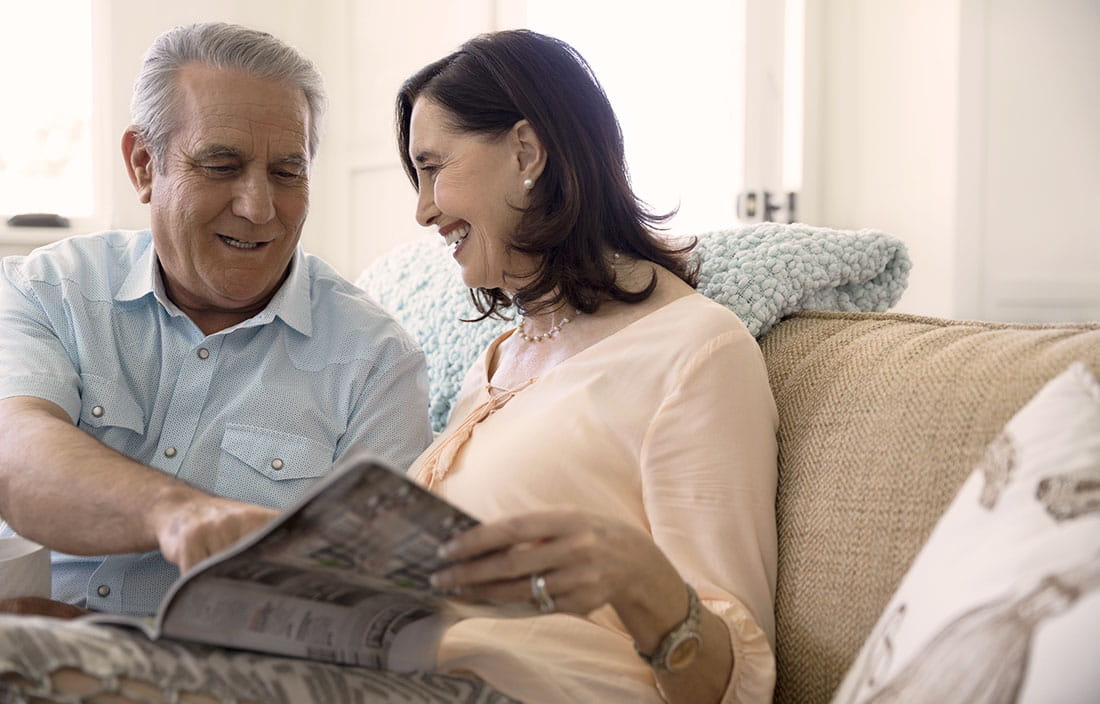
x=1035, y=200
x=969, y=129
x=882, y=130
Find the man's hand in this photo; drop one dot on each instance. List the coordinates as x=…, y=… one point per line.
x=60, y=487
x=194, y=528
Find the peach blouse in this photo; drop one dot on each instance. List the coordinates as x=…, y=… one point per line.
x=669, y=425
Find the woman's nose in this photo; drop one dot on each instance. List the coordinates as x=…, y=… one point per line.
x=426, y=212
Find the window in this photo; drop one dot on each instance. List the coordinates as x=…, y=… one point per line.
x=46, y=155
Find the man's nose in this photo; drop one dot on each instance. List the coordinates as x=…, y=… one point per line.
x=426, y=212
x=255, y=198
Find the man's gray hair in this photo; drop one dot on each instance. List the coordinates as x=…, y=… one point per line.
x=224, y=46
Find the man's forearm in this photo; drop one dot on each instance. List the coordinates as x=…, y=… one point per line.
x=64, y=489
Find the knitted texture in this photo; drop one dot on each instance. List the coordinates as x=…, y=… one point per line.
x=761, y=272
x=420, y=285
x=765, y=272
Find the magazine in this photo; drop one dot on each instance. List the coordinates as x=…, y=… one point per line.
x=341, y=576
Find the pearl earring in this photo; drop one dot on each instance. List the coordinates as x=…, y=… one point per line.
x=528, y=183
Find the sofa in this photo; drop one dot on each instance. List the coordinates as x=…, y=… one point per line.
x=882, y=418
x=882, y=415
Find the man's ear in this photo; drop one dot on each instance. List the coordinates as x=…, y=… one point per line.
x=139, y=163
x=530, y=154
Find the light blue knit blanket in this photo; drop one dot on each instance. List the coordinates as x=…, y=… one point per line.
x=761, y=272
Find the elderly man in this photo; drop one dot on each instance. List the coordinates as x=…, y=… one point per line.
x=163, y=392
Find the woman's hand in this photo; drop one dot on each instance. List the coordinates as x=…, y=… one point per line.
x=586, y=560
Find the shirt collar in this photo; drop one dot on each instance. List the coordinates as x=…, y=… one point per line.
x=291, y=302
x=141, y=280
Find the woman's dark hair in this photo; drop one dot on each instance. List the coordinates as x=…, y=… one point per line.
x=582, y=206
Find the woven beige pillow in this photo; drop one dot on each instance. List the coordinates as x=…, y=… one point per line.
x=882, y=417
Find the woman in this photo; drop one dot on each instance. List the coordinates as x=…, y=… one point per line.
x=619, y=443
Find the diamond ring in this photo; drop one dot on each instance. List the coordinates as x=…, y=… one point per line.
x=540, y=595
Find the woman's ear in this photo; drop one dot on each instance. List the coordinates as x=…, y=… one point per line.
x=139, y=163
x=530, y=154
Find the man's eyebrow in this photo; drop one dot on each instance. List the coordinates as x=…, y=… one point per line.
x=217, y=151
x=297, y=160
x=425, y=156
x=222, y=151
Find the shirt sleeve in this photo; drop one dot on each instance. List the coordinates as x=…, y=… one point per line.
x=33, y=358
x=391, y=415
x=709, y=483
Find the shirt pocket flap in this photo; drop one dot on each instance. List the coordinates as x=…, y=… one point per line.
x=275, y=454
x=106, y=403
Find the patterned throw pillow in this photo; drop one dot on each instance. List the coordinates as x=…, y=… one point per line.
x=1003, y=602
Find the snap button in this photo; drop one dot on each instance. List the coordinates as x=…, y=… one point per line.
x=103, y=590
x=276, y=464
x=97, y=411
x=203, y=353
x=170, y=452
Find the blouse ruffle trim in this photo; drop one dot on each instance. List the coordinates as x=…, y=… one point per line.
x=439, y=460
x=753, y=676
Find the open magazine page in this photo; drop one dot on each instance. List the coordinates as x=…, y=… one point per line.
x=342, y=576
x=372, y=528
x=384, y=630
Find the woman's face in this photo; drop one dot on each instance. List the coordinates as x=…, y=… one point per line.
x=470, y=189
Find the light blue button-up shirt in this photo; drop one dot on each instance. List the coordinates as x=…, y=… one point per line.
x=255, y=412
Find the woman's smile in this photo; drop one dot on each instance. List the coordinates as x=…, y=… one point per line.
x=455, y=234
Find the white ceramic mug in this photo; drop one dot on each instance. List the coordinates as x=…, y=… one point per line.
x=24, y=568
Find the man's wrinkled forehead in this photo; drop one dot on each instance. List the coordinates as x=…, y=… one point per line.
x=227, y=111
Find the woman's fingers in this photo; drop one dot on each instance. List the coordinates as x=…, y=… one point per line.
x=499, y=535
x=569, y=589
x=583, y=559
x=517, y=560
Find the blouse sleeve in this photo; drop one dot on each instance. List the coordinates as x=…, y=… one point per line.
x=709, y=483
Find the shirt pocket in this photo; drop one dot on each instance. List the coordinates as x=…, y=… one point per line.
x=106, y=404
x=277, y=455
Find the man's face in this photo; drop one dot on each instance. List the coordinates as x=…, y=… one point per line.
x=230, y=200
